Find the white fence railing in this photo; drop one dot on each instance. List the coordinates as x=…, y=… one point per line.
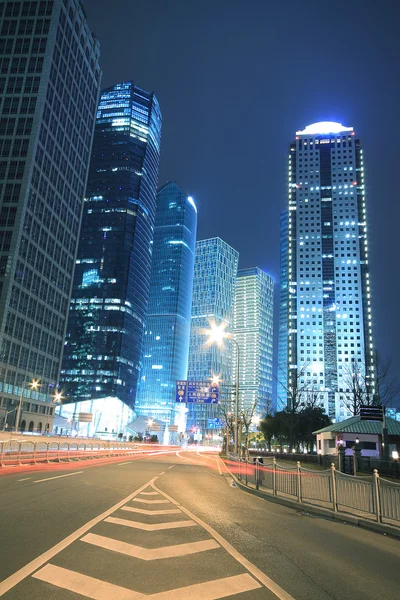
x=371, y=497
x=17, y=452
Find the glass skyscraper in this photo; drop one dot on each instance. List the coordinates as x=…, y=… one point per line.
x=103, y=348
x=282, y=376
x=215, y=271
x=329, y=324
x=49, y=84
x=253, y=331
x=166, y=342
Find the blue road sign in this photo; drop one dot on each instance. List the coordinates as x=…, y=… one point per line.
x=181, y=391
x=200, y=392
x=214, y=423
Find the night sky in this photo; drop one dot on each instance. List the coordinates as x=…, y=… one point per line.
x=235, y=79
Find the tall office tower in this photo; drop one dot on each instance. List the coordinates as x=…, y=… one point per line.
x=166, y=342
x=49, y=84
x=253, y=332
x=103, y=348
x=329, y=323
x=215, y=271
x=282, y=375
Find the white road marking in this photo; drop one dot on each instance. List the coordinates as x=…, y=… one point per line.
x=102, y=590
x=255, y=571
x=151, y=501
x=154, y=554
x=57, y=477
x=28, y=569
x=171, y=467
x=150, y=493
x=125, y=463
x=143, y=511
x=152, y=527
x=25, y=479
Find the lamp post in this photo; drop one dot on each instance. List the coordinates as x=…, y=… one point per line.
x=34, y=384
x=216, y=335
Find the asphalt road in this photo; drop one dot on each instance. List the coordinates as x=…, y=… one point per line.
x=171, y=527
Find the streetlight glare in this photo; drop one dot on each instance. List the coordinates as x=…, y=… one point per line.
x=215, y=380
x=217, y=334
x=35, y=383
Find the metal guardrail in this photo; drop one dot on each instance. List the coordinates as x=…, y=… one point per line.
x=17, y=453
x=371, y=497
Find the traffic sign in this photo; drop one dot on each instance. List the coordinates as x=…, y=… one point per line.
x=214, y=423
x=371, y=413
x=85, y=417
x=199, y=392
x=181, y=391
x=202, y=392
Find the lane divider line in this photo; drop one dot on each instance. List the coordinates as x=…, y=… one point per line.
x=35, y=564
x=154, y=554
x=255, y=571
x=102, y=590
x=152, y=527
x=56, y=477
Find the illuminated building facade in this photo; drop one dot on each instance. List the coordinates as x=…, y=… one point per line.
x=253, y=331
x=329, y=323
x=166, y=342
x=49, y=85
x=215, y=271
x=103, y=348
x=282, y=375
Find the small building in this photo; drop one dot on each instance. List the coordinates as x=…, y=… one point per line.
x=368, y=433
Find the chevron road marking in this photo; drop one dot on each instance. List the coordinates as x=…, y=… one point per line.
x=138, y=552
x=28, y=569
x=150, y=493
x=143, y=511
x=102, y=590
x=255, y=571
x=153, y=527
x=151, y=501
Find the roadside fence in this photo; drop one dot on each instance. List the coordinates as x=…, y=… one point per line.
x=17, y=452
x=370, y=497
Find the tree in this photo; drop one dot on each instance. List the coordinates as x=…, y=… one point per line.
x=355, y=393
x=271, y=428
x=387, y=385
x=300, y=393
x=311, y=419
x=358, y=385
x=245, y=419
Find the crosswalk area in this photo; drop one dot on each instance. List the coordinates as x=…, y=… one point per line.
x=147, y=548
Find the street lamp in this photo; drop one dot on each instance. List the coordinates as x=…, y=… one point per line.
x=34, y=384
x=216, y=335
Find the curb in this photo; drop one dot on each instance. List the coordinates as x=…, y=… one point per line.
x=345, y=518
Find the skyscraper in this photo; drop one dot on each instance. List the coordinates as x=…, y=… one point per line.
x=282, y=375
x=103, y=350
x=49, y=84
x=215, y=271
x=166, y=343
x=329, y=323
x=253, y=331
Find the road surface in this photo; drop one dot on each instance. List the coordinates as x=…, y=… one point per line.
x=172, y=527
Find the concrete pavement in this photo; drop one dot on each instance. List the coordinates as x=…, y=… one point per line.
x=171, y=526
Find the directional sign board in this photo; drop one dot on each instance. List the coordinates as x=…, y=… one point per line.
x=371, y=413
x=181, y=391
x=200, y=392
x=214, y=423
